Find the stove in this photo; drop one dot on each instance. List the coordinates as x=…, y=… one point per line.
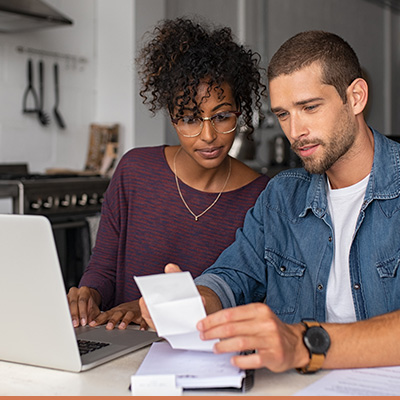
x=52, y=195
x=71, y=202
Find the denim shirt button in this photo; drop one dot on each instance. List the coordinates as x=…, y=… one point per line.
x=357, y=286
x=320, y=286
x=330, y=238
x=283, y=268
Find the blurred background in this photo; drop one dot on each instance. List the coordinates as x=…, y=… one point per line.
x=77, y=56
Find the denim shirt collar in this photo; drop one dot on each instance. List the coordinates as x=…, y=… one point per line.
x=383, y=181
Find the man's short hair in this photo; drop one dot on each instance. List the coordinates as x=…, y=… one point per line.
x=339, y=62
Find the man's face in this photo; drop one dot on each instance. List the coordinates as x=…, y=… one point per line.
x=320, y=128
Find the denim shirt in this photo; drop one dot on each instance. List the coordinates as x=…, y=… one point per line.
x=283, y=253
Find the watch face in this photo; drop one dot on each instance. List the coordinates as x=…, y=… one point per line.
x=317, y=340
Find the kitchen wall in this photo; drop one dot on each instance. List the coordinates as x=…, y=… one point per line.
x=364, y=24
x=371, y=29
x=104, y=88
x=22, y=138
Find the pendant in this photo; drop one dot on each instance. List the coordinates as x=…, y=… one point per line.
x=196, y=218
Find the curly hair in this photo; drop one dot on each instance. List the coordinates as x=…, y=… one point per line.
x=181, y=54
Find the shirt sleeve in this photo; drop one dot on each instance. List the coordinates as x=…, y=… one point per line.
x=239, y=274
x=219, y=286
x=100, y=273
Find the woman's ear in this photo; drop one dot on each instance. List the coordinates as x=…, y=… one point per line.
x=357, y=95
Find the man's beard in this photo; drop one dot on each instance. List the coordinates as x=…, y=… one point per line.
x=335, y=148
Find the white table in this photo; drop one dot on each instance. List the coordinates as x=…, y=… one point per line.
x=113, y=379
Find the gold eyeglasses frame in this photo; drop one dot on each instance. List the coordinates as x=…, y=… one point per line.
x=211, y=119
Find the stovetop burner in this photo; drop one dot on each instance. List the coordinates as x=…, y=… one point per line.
x=51, y=194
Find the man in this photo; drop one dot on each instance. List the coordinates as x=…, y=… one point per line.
x=322, y=243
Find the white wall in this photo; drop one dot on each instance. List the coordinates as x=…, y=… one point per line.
x=120, y=27
x=102, y=90
x=22, y=138
x=114, y=80
x=148, y=130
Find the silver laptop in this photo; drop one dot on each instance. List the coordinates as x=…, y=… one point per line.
x=36, y=325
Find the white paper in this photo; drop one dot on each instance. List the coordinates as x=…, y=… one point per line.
x=383, y=381
x=175, y=307
x=150, y=385
x=192, y=369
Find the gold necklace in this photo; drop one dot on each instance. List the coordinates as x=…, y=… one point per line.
x=196, y=217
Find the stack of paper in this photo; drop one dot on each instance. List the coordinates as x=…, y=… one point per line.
x=186, y=361
x=192, y=369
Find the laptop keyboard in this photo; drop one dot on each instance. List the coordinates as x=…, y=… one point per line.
x=87, y=346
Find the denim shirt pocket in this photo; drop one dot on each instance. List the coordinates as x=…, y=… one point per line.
x=284, y=277
x=388, y=271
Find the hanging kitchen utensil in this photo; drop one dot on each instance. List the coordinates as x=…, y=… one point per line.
x=58, y=117
x=43, y=117
x=30, y=92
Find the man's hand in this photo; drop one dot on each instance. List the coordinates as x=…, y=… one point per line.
x=83, y=305
x=278, y=346
x=124, y=314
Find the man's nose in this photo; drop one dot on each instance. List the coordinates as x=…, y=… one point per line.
x=296, y=128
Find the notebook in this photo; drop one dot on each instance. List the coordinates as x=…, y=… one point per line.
x=36, y=322
x=190, y=370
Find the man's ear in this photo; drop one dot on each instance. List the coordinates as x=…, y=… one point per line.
x=357, y=95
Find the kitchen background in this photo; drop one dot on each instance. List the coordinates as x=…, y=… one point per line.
x=98, y=84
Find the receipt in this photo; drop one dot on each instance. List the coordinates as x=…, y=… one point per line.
x=175, y=307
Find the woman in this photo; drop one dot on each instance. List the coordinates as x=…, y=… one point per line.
x=179, y=204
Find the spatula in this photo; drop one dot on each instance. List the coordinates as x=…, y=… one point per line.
x=57, y=115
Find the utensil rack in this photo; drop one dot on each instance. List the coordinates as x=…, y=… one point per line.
x=54, y=54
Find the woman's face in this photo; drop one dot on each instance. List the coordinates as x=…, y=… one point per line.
x=210, y=148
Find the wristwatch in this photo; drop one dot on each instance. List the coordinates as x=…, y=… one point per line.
x=317, y=341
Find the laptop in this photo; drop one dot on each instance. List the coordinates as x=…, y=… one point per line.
x=36, y=326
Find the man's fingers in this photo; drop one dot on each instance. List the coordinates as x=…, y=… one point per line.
x=250, y=361
x=234, y=314
x=243, y=343
x=172, y=268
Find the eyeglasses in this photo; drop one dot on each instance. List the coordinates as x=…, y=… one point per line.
x=191, y=126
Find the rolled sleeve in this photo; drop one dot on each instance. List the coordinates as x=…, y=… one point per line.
x=219, y=286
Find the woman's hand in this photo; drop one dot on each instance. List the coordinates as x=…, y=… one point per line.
x=83, y=305
x=123, y=314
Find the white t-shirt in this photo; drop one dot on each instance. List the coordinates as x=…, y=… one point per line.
x=344, y=207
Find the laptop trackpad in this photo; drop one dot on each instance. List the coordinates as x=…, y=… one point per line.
x=126, y=337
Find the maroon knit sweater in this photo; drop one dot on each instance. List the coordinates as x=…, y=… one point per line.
x=144, y=225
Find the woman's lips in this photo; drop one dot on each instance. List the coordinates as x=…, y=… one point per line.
x=211, y=153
